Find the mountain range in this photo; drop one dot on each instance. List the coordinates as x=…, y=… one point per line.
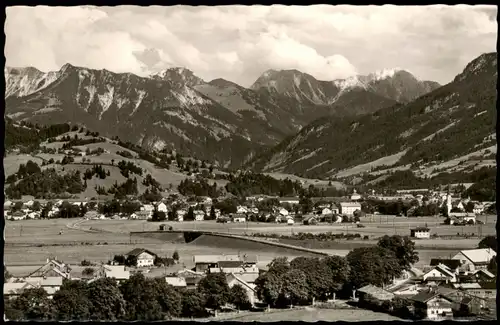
x=219, y=121
x=449, y=122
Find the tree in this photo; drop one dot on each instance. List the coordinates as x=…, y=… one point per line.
x=469, y=207
x=212, y=213
x=6, y=275
x=279, y=265
x=88, y=271
x=175, y=256
x=403, y=248
x=268, y=287
x=306, y=205
x=488, y=242
x=107, y=300
x=492, y=266
x=239, y=297
x=36, y=206
x=169, y=298
x=215, y=289
x=34, y=304
x=159, y=216
x=71, y=302
x=319, y=276
x=294, y=288
x=372, y=265
x=140, y=295
x=193, y=303
x=340, y=271
x=190, y=214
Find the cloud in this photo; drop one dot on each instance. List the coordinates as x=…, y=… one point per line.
x=239, y=43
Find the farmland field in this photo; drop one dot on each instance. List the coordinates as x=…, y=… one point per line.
x=313, y=314
x=31, y=242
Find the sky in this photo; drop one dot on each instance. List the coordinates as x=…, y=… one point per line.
x=239, y=43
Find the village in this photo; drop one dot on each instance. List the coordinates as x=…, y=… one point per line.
x=460, y=285
x=177, y=208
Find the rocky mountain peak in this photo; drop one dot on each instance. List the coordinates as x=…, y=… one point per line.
x=484, y=63
x=178, y=75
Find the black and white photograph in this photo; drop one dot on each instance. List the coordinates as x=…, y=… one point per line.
x=250, y=163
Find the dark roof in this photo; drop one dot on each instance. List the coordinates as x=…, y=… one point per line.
x=421, y=229
x=466, y=300
x=488, y=285
x=452, y=264
x=425, y=295
x=138, y=251
x=288, y=199
x=230, y=263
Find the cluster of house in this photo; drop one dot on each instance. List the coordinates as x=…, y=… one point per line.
x=239, y=269
x=442, y=199
x=29, y=211
x=324, y=206
x=461, y=282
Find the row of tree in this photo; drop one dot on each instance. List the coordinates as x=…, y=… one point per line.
x=306, y=278
x=45, y=184
x=136, y=299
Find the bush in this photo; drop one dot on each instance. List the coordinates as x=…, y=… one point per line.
x=85, y=263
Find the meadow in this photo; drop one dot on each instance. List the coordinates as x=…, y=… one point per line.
x=31, y=242
x=312, y=315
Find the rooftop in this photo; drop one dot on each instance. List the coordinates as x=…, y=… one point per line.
x=481, y=255
x=452, y=264
x=138, y=251
x=176, y=281
x=214, y=258
x=376, y=292
x=350, y=204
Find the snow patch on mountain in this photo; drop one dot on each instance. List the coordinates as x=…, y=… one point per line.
x=296, y=80
x=175, y=130
x=106, y=99
x=91, y=89
x=183, y=116
x=120, y=101
x=138, y=101
x=384, y=73
x=24, y=82
x=188, y=97
x=309, y=155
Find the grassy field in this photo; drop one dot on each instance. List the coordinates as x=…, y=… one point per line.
x=375, y=226
x=313, y=315
x=306, y=181
x=12, y=162
x=31, y=242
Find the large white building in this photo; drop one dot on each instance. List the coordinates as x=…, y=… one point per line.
x=348, y=208
x=143, y=257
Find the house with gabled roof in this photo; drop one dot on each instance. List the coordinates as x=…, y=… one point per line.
x=14, y=289
x=432, y=304
x=50, y=284
x=204, y=262
x=53, y=268
x=371, y=292
x=475, y=258
x=192, y=278
x=233, y=279
x=143, y=257
x=440, y=273
x=453, y=265
x=117, y=272
x=176, y=281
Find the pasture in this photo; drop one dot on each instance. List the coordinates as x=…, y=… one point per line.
x=309, y=314
x=30, y=242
